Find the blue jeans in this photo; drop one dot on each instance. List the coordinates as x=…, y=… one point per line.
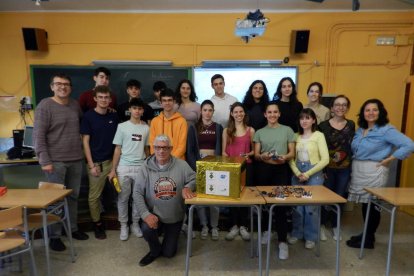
x=306, y=218
x=68, y=174
x=337, y=180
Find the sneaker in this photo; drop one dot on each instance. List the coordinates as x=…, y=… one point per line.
x=214, y=234
x=265, y=236
x=136, y=230
x=244, y=233
x=204, y=233
x=283, y=251
x=309, y=244
x=292, y=240
x=234, y=231
x=323, y=233
x=124, y=233
x=335, y=234
x=147, y=259
x=57, y=245
x=184, y=229
x=99, y=231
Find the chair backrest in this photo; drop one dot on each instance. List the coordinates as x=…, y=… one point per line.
x=12, y=217
x=50, y=185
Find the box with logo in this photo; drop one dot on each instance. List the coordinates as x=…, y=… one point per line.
x=220, y=177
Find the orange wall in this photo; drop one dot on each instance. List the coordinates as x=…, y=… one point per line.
x=343, y=44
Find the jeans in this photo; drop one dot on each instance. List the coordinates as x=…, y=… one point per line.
x=337, y=180
x=68, y=174
x=125, y=177
x=214, y=215
x=306, y=218
x=169, y=245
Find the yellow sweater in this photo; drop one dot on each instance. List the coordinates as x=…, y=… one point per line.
x=317, y=151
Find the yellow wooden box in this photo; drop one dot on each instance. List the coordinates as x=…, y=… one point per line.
x=220, y=177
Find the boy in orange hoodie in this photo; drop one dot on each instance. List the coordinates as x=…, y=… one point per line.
x=170, y=123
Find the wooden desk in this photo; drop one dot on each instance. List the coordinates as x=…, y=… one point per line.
x=388, y=199
x=40, y=199
x=5, y=161
x=320, y=196
x=250, y=197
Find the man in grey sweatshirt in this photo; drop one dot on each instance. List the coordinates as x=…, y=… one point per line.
x=163, y=182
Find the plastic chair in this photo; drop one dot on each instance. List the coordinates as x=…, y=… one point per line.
x=14, y=241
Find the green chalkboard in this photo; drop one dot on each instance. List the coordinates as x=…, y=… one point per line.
x=82, y=79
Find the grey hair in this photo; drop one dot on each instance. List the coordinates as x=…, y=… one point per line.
x=162, y=138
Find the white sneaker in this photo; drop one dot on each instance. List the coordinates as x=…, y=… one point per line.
x=234, y=231
x=204, y=233
x=265, y=236
x=244, y=233
x=323, y=233
x=214, y=234
x=335, y=234
x=309, y=244
x=283, y=251
x=124, y=233
x=136, y=230
x=184, y=228
x=292, y=240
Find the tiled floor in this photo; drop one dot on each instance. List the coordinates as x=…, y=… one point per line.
x=114, y=257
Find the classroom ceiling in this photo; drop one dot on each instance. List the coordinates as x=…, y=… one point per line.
x=205, y=6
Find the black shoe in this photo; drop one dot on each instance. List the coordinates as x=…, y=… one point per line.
x=369, y=244
x=147, y=259
x=99, y=231
x=57, y=245
x=359, y=238
x=79, y=235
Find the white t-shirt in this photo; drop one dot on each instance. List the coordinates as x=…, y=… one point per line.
x=132, y=138
x=222, y=108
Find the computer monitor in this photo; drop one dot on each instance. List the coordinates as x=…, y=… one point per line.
x=28, y=137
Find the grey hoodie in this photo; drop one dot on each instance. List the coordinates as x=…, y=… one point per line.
x=159, y=191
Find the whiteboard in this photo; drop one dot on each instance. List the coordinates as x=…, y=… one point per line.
x=237, y=80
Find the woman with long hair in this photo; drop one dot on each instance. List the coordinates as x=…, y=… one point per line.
x=205, y=139
x=274, y=147
x=238, y=141
x=375, y=145
x=288, y=103
x=255, y=102
x=310, y=159
x=185, y=98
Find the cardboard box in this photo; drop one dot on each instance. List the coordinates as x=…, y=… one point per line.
x=220, y=177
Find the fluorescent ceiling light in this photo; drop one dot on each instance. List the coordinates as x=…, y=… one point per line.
x=241, y=63
x=133, y=62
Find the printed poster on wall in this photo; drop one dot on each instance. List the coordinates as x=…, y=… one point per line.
x=217, y=183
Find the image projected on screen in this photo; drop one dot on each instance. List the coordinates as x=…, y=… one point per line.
x=238, y=80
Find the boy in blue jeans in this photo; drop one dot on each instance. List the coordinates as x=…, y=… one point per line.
x=131, y=149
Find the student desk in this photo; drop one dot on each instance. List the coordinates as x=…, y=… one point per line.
x=40, y=199
x=5, y=161
x=388, y=199
x=250, y=197
x=320, y=196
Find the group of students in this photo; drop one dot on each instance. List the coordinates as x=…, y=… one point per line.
x=283, y=142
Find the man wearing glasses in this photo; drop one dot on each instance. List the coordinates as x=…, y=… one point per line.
x=163, y=182
x=58, y=148
x=98, y=130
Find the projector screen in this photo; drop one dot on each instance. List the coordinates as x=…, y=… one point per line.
x=237, y=80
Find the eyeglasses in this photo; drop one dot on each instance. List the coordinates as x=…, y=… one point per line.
x=340, y=105
x=159, y=148
x=65, y=84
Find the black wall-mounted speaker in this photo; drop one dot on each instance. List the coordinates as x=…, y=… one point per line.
x=35, y=39
x=299, y=41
